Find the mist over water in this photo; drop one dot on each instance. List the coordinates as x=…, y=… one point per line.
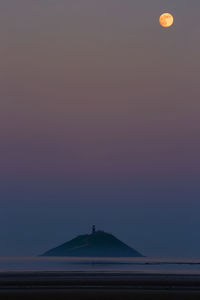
x=105, y=265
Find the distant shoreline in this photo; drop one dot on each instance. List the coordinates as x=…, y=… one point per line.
x=100, y=280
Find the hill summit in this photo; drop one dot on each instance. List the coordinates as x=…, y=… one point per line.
x=96, y=244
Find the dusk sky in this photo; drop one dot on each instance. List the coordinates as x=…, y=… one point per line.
x=100, y=124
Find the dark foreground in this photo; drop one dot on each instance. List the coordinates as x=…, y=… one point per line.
x=80, y=285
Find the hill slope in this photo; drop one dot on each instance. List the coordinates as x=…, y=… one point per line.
x=97, y=244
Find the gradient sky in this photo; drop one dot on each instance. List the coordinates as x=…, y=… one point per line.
x=99, y=124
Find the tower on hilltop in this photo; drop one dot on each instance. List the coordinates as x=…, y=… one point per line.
x=93, y=229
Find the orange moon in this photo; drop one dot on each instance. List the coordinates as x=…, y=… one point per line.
x=166, y=20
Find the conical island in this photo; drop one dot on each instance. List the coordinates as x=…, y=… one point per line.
x=96, y=244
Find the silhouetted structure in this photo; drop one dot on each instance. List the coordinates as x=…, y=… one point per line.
x=93, y=229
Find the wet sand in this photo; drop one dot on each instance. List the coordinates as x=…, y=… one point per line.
x=92, y=285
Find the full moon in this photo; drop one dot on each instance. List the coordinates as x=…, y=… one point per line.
x=166, y=20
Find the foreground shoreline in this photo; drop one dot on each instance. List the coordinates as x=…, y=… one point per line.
x=99, y=294
x=98, y=285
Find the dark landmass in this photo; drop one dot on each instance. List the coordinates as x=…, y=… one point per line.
x=96, y=294
x=96, y=244
x=94, y=286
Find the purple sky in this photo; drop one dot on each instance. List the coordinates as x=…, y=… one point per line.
x=99, y=123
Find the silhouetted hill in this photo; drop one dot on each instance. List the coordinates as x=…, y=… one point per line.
x=97, y=244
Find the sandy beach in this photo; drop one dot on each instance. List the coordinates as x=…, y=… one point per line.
x=88, y=285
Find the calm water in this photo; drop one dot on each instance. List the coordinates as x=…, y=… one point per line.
x=137, y=265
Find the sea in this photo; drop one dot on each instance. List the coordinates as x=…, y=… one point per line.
x=114, y=265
